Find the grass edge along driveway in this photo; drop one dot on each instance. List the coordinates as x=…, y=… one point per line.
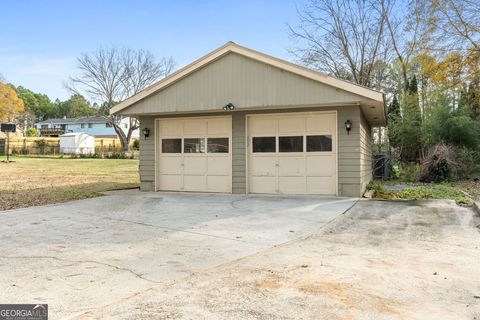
x=40, y=181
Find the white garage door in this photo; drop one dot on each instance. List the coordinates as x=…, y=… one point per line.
x=292, y=153
x=195, y=154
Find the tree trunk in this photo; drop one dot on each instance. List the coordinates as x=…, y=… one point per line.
x=121, y=135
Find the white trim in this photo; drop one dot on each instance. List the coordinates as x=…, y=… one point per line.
x=233, y=47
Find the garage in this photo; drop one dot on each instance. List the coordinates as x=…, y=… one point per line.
x=240, y=121
x=292, y=153
x=195, y=154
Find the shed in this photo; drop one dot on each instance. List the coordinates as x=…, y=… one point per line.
x=77, y=143
x=240, y=121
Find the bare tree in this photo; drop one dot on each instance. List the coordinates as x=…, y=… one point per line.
x=452, y=25
x=112, y=75
x=345, y=38
x=403, y=28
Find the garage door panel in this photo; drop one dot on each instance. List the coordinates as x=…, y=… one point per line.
x=263, y=184
x=170, y=182
x=171, y=165
x=291, y=166
x=292, y=185
x=171, y=128
x=262, y=125
x=219, y=127
x=321, y=123
x=321, y=185
x=291, y=125
x=320, y=165
x=194, y=165
x=219, y=166
x=194, y=183
x=219, y=183
x=263, y=166
x=195, y=127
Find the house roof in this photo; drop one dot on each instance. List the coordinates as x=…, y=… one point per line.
x=84, y=119
x=374, y=96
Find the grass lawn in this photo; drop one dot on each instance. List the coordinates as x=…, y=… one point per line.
x=463, y=192
x=38, y=181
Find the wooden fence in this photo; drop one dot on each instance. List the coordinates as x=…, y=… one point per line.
x=51, y=146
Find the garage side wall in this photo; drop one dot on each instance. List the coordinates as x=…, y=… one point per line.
x=366, y=169
x=147, y=155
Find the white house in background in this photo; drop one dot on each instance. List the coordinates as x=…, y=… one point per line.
x=96, y=126
x=77, y=143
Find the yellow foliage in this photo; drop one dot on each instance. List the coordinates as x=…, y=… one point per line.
x=451, y=70
x=10, y=103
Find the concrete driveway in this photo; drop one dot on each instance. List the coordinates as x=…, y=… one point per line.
x=91, y=254
x=380, y=260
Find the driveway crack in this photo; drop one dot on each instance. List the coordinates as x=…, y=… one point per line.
x=138, y=275
x=185, y=231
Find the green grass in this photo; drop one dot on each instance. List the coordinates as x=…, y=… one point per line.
x=38, y=181
x=452, y=191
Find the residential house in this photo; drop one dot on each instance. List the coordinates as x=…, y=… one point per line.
x=96, y=126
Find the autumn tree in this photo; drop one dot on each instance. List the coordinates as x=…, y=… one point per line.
x=10, y=104
x=112, y=75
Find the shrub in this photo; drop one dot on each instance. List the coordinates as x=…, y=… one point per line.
x=32, y=132
x=406, y=172
x=468, y=162
x=439, y=164
x=453, y=127
x=136, y=145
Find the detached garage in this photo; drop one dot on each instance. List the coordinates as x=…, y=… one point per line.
x=240, y=121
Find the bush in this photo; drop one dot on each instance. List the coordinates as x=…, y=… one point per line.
x=468, y=162
x=453, y=127
x=136, y=145
x=32, y=132
x=439, y=164
x=406, y=172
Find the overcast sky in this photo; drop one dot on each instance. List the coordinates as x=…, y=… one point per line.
x=40, y=40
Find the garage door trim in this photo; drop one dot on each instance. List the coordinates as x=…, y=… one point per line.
x=278, y=114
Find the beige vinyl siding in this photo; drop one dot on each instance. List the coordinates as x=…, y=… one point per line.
x=246, y=83
x=147, y=155
x=350, y=156
x=366, y=171
x=239, y=179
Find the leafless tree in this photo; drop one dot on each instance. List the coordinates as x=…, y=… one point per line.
x=451, y=25
x=403, y=23
x=114, y=74
x=345, y=38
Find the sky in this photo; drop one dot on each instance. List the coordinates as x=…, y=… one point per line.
x=40, y=40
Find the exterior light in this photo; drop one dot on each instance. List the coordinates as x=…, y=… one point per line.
x=229, y=107
x=146, y=133
x=348, y=126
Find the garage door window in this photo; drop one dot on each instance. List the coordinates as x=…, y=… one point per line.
x=320, y=143
x=263, y=144
x=290, y=144
x=171, y=145
x=217, y=145
x=194, y=145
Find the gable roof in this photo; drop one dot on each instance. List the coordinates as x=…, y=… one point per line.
x=231, y=47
